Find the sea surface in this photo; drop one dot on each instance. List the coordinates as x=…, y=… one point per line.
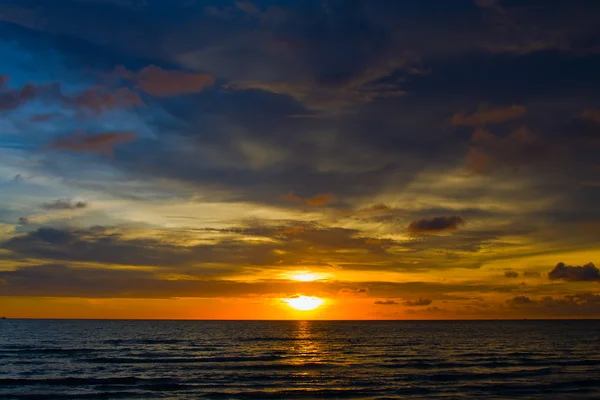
x=62, y=359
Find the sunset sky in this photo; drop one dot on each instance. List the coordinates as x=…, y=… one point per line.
x=390, y=159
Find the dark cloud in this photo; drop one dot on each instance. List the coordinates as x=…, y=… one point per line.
x=65, y=205
x=353, y=291
x=435, y=225
x=44, y=117
x=386, y=303
x=569, y=273
x=65, y=281
x=531, y=274
x=229, y=250
x=511, y=274
x=417, y=303
x=577, y=305
x=304, y=245
x=60, y=280
x=82, y=142
x=520, y=300
x=11, y=99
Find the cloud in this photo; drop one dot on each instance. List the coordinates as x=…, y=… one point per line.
x=592, y=115
x=327, y=97
x=65, y=205
x=531, y=274
x=11, y=99
x=227, y=250
x=576, y=305
x=386, y=303
x=23, y=221
x=436, y=224
x=247, y=6
x=586, y=273
x=97, y=99
x=489, y=116
x=493, y=5
x=318, y=200
x=167, y=83
x=44, y=117
x=353, y=291
x=376, y=209
x=511, y=274
x=520, y=300
x=489, y=152
x=64, y=280
x=82, y=142
x=417, y=303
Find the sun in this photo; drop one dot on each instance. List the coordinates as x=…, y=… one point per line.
x=304, y=303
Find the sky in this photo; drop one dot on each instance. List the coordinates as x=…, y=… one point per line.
x=217, y=159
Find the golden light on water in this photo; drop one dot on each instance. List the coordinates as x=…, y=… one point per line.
x=304, y=303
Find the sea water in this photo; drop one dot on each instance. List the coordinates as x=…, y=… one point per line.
x=77, y=359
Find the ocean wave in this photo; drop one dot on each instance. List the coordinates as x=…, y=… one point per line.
x=76, y=381
x=180, y=360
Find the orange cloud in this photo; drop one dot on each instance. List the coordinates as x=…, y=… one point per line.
x=490, y=116
x=489, y=151
x=593, y=115
x=90, y=143
x=166, y=83
x=292, y=230
x=97, y=99
x=319, y=200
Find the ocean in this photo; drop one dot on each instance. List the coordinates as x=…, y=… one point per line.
x=84, y=359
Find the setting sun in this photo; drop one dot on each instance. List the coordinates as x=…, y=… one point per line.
x=304, y=303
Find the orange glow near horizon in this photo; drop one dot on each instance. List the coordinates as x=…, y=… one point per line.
x=304, y=303
x=307, y=276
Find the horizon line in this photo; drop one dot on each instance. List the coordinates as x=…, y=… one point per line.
x=304, y=320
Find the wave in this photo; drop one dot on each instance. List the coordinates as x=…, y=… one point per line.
x=57, y=351
x=426, y=365
x=76, y=381
x=272, y=339
x=119, y=342
x=180, y=360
